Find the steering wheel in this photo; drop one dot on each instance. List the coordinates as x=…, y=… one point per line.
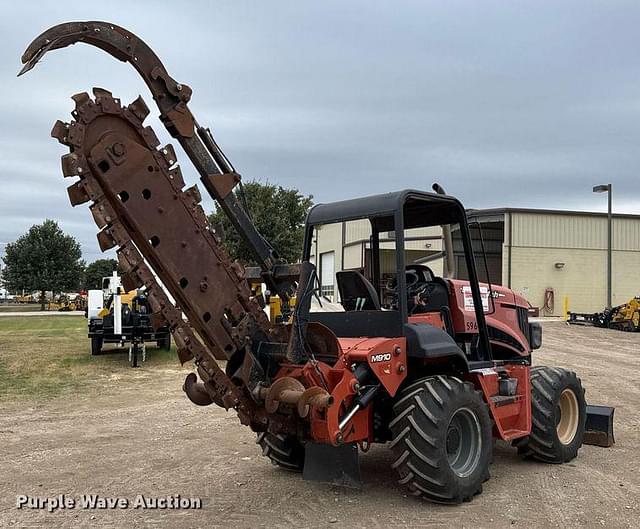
x=426, y=290
x=411, y=280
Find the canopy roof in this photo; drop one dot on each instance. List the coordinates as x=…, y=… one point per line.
x=420, y=209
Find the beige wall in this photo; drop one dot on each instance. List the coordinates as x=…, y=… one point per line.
x=580, y=242
x=545, y=230
x=431, y=245
x=357, y=230
x=353, y=256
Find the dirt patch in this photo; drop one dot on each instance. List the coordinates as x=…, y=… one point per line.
x=137, y=434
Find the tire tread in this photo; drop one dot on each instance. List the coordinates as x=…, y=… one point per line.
x=285, y=452
x=418, y=428
x=542, y=443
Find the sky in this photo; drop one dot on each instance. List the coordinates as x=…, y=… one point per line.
x=506, y=104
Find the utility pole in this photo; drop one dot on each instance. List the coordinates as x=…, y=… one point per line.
x=606, y=188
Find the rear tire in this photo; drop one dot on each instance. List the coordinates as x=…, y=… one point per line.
x=558, y=412
x=442, y=439
x=283, y=451
x=96, y=346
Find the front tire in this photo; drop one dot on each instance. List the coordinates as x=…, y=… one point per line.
x=283, y=451
x=442, y=439
x=558, y=413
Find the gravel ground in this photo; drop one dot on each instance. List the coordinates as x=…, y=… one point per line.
x=146, y=438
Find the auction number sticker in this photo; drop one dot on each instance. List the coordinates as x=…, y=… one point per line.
x=468, y=298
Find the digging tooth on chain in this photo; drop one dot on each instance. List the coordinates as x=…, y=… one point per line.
x=76, y=134
x=81, y=99
x=193, y=196
x=102, y=212
x=105, y=240
x=60, y=132
x=130, y=281
x=106, y=101
x=183, y=344
x=70, y=164
x=78, y=193
x=168, y=155
x=139, y=109
x=100, y=93
x=84, y=190
x=177, y=180
x=85, y=108
x=150, y=137
x=111, y=236
x=129, y=258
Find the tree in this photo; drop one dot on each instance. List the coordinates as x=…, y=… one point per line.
x=44, y=258
x=279, y=215
x=95, y=271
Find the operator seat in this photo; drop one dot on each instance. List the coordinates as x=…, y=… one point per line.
x=356, y=291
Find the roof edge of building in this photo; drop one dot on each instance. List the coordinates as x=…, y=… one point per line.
x=476, y=212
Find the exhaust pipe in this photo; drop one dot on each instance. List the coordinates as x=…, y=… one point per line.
x=447, y=240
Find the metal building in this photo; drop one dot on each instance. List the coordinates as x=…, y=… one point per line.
x=546, y=255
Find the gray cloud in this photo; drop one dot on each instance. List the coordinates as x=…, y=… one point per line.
x=504, y=103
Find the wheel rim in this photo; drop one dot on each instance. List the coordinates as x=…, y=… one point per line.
x=567, y=416
x=464, y=442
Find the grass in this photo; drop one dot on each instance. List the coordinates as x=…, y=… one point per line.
x=48, y=357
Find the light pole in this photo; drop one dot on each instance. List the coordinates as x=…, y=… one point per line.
x=606, y=188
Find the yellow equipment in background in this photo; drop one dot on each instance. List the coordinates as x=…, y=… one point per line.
x=274, y=303
x=125, y=299
x=275, y=308
x=626, y=317
x=26, y=298
x=64, y=303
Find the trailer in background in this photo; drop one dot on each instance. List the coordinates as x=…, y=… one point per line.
x=119, y=317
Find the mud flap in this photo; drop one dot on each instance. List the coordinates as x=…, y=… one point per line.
x=599, y=426
x=336, y=465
